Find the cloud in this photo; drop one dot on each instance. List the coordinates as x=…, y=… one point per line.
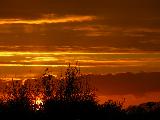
x=48, y=20
x=137, y=84
x=131, y=99
x=122, y=24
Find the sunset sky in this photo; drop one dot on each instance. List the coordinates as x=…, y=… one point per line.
x=104, y=36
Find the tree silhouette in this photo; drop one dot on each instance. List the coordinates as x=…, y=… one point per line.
x=69, y=97
x=48, y=84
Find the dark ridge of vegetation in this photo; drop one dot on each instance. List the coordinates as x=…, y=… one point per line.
x=70, y=97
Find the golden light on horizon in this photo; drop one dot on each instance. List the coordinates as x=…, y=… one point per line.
x=12, y=53
x=37, y=103
x=90, y=62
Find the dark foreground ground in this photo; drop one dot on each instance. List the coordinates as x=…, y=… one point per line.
x=107, y=111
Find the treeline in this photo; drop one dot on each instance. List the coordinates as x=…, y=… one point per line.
x=69, y=97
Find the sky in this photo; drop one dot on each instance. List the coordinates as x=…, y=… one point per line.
x=104, y=36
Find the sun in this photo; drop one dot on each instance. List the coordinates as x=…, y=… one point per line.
x=39, y=101
x=37, y=104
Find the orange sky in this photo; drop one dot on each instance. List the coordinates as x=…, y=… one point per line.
x=104, y=36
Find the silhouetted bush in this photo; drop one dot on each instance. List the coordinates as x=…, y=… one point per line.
x=147, y=111
x=69, y=97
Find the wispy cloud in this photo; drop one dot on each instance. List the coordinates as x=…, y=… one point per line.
x=44, y=20
x=86, y=59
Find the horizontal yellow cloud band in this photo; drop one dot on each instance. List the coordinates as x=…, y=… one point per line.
x=48, y=20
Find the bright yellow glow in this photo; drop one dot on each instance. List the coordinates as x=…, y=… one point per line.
x=48, y=20
x=37, y=103
x=32, y=65
x=42, y=59
x=109, y=61
x=6, y=53
x=40, y=65
x=88, y=59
